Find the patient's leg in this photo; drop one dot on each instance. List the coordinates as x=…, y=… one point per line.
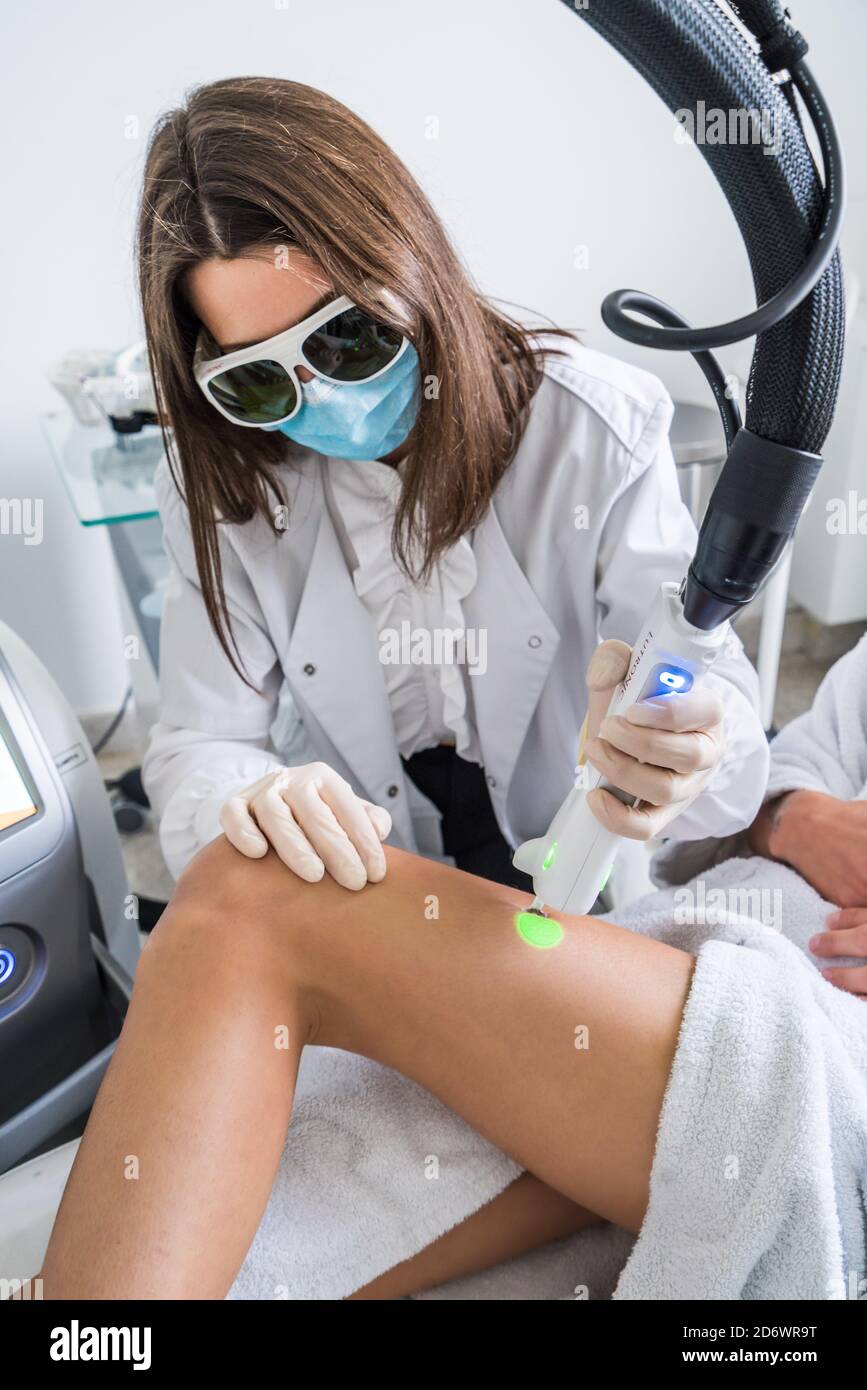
x=560, y=1056
x=524, y=1216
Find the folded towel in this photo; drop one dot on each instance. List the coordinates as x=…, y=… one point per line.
x=758, y=1182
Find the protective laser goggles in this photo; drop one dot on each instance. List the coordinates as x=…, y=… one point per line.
x=258, y=386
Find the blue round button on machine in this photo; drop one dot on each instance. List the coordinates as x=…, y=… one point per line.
x=19, y=955
x=7, y=964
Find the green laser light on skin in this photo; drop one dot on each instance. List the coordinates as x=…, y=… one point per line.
x=536, y=930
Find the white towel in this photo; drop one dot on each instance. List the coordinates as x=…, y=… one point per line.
x=760, y=1171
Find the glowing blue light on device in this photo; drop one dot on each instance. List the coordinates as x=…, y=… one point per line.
x=667, y=679
x=7, y=964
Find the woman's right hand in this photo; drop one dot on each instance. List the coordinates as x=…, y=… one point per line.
x=314, y=821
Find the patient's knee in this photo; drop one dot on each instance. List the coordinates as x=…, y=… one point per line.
x=227, y=936
x=230, y=908
x=218, y=879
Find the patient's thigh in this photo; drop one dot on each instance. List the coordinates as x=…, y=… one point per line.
x=559, y=1055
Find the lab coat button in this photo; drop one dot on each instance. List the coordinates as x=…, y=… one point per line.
x=492, y=781
x=393, y=790
x=534, y=641
x=309, y=669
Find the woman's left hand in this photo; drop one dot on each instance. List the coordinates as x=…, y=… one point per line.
x=663, y=750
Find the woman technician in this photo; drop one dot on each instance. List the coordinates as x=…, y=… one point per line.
x=334, y=383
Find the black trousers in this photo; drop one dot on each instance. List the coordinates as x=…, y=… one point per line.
x=470, y=832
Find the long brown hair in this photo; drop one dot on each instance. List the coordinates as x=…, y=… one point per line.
x=252, y=163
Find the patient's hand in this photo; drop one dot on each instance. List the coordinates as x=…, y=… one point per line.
x=846, y=936
x=822, y=837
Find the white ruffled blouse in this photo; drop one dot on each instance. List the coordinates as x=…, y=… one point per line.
x=428, y=695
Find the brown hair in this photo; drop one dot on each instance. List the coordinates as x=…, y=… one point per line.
x=251, y=163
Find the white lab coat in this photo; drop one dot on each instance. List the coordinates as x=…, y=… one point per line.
x=584, y=526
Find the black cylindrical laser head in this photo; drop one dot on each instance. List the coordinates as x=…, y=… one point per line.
x=752, y=513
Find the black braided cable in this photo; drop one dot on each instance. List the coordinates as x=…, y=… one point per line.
x=690, y=51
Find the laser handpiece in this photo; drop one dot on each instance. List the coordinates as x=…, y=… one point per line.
x=570, y=864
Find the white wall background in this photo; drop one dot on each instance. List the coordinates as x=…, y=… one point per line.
x=547, y=140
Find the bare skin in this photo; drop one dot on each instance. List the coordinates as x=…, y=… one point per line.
x=249, y=963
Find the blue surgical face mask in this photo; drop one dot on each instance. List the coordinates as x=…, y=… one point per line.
x=359, y=420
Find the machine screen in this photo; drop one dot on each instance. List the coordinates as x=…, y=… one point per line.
x=16, y=801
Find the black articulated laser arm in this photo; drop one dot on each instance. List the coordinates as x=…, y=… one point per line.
x=691, y=52
x=698, y=59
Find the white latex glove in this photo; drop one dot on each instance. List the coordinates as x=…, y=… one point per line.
x=664, y=750
x=314, y=820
